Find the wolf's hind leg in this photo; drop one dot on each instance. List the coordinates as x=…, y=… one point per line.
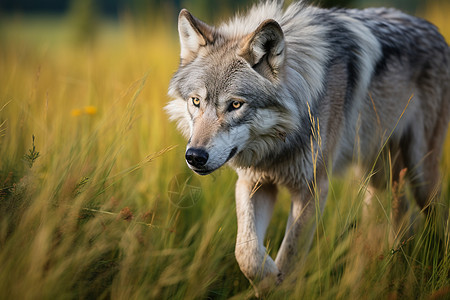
x=422, y=151
x=422, y=161
x=254, y=210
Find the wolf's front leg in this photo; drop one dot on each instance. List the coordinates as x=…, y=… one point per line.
x=254, y=210
x=301, y=224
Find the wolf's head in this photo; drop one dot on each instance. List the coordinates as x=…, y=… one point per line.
x=227, y=93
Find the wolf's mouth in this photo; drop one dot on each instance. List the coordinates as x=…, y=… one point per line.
x=209, y=171
x=203, y=172
x=232, y=153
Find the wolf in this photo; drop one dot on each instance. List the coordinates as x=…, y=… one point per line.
x=288, y=95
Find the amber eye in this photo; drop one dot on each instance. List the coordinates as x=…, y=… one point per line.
x=235, y=105
x=195, y=101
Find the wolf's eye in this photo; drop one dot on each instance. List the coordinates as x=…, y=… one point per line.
x=195, y=101
x=234, y=105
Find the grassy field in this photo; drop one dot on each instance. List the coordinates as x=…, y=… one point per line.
x=96, y=200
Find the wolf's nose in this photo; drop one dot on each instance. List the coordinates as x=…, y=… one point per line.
x=196, y=157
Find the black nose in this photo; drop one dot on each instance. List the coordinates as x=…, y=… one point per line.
x=196, y=157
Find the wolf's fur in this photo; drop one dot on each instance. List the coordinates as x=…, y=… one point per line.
x=317, y=90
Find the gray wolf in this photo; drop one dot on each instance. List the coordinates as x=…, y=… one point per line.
x=286, y=95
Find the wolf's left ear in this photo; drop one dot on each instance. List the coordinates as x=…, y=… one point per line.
x=193, y=35
x=264, y=49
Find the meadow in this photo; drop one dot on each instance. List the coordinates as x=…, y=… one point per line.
x=96, y=200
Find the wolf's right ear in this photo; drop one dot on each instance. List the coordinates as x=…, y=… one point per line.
x=193, y=35
x=264, y=49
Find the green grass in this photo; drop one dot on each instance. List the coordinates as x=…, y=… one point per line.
x=95, y=206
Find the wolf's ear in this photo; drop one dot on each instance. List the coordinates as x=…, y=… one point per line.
x=193, y=35
x=264, y=49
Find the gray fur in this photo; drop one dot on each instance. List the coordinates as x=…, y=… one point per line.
x=353, y=72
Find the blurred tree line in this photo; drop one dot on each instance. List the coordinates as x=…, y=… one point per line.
x=85, y=15
x=208, y=9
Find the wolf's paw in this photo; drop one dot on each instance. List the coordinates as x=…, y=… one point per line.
x=280, y=278
x=255, y=263
x=266, y=285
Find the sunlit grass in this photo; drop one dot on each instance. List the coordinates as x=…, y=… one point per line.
x=96, y=205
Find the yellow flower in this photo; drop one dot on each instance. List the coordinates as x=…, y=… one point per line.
x=90, y=110
x=75, y=112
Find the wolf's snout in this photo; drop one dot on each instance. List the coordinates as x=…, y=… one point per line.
x=196, y=157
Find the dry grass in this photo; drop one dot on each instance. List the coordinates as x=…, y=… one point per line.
x=108, y=208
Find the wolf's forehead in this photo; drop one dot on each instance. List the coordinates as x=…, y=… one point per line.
x=223, y=75
x=213, y=76
x=219, y=74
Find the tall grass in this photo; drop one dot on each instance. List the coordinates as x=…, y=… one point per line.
x=100, y=204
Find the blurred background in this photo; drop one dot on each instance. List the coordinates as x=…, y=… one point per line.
x=208, y=10
x=86, y=17
x=96, y=201
x=213, y=8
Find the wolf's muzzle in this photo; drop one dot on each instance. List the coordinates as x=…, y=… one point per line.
x=196, y=157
